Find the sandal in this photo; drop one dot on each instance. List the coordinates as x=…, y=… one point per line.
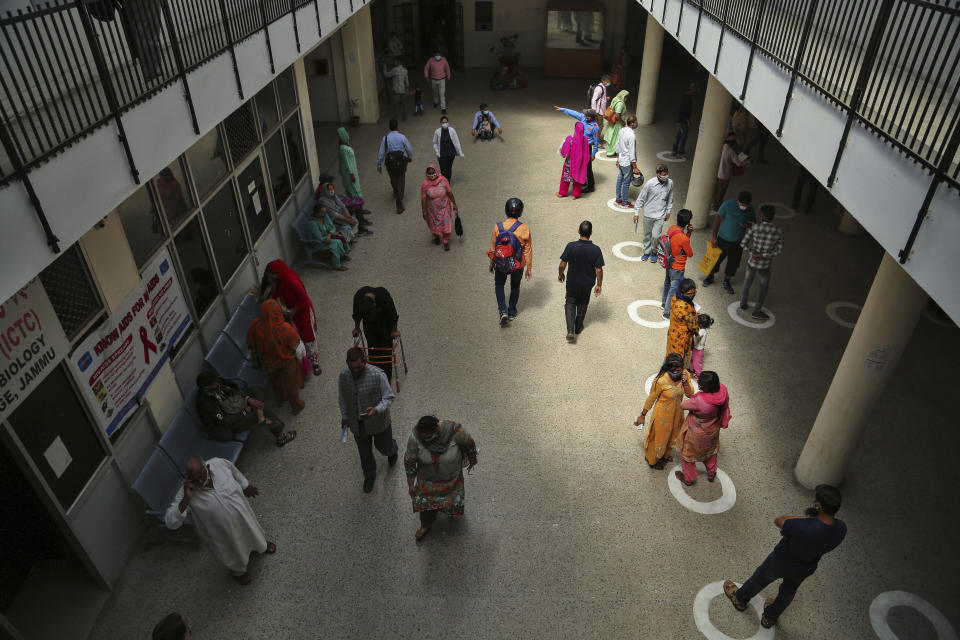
x=711, y=478
x=317, y=370
x=421, y=533
x=766, y=622
x=271, y=548
x=659, y=466
x=286, y=438
x=730, y=590
x=679, y=476
x=446, y=246
x=243, y=580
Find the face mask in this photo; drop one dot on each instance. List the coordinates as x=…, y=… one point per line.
x=444, y=124
x=330, y=193
x=431, y=176
x=742, y=207
x=662, y=179
x=485, y=112
x=606, y=84
x=675, y=376
x=437, y=57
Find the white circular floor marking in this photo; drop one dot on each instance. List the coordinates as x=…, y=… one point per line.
x=881, y=605
x=833, y=315
x=724, y=503
x=612, y=203
x=618, y=251
x=734, y=310
x=633, y=311
x=701, y=614
x=935, y=320
x=602, y=156
x=783, y=211
x=667, y=156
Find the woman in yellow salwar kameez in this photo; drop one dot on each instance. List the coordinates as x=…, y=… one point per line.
x=669, y=387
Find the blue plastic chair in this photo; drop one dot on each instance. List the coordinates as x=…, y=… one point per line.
x=311, y=246
x=236, y=330
x=249, y=308
x=184, y=438
x=227, y=360
x=157, y=486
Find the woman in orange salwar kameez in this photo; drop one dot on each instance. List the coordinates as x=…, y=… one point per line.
x=669, y=387
x=683, y=322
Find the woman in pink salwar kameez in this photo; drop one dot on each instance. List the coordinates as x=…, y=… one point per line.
x=576, y=155
x=699, y=439
x=439, y=206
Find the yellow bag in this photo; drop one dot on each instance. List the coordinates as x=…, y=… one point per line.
x=709, y=258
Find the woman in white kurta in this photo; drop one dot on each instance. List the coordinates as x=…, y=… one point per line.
x=214, y=495
x=436, y=453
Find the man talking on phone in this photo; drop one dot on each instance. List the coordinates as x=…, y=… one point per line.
x=680, y=249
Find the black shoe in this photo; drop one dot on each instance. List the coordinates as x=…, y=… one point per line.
x=707, y=281
x=392, y=460
x=368, y=485
x=727, y=287
x=743, y=307
x=436, y=104
x=443, y=111
x=578, y=329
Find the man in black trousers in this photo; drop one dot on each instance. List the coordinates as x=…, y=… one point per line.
x=586, y=270
x=374, y=307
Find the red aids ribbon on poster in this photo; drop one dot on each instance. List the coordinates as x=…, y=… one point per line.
x=147, y=345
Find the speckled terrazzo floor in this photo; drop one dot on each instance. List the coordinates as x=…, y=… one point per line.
x=567, y=533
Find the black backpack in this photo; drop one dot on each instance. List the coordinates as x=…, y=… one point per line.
x=590, y=90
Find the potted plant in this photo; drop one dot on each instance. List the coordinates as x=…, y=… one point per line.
x=506, y=52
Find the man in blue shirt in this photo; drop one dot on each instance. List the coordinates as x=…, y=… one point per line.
x=396, y=152
x=733, y=219
x=476, y=129
x=805, y=539
x=590, y=129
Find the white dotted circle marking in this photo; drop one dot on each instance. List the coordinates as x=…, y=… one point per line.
x=612, y=203
x=618, y=251
x=882, y=604
x=783, y=211
x=701, y=614
x=667, y=156
x=734, y=308
x=724, y=503
x=833, y=315
x=633, y=308
x=602, y=155
x=935, y=320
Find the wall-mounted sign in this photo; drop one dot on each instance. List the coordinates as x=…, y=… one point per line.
x=116, y=364
x=32, y=343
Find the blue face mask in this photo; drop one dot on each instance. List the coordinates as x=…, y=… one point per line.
x=437, y=57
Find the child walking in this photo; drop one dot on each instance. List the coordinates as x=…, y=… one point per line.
x=699, y=344
x=417, y=101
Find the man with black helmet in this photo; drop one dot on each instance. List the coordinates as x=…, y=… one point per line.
x=511, y=249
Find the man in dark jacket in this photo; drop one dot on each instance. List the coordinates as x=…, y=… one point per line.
x=374, y=307
x=225, y=410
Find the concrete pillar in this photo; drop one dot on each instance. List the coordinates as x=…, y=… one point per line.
x=649, y=71
x=361, y=66
x=706, y=159
x=849, y=226
x=306, y=116
x=883, y=331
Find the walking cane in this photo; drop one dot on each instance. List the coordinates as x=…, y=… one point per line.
x=403, y=356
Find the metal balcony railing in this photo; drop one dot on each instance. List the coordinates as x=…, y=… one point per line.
x=893, y=66
x=75, y=65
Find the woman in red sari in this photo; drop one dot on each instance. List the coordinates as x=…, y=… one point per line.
x=282, y=283
x=273, y=345
x=699, y=439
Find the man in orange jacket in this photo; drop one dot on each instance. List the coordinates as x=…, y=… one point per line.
x=680, y=250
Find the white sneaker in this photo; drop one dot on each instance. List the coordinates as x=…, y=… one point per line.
x=504, y=318
x=571, y=338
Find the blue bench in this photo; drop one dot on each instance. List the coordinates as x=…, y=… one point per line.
x=157, y=486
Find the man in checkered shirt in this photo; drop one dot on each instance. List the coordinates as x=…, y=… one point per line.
x=762, y=243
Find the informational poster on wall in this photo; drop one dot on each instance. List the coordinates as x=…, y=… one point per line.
x=32, y=343
x=117, y=363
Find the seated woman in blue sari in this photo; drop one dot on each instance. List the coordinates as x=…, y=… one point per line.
x=322, y=229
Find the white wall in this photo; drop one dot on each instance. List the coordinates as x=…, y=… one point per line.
x=882, y=188
x=79, y=186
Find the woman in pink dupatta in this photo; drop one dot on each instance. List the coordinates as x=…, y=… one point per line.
x=439, y=205
x=576, y=155
x=700, y=434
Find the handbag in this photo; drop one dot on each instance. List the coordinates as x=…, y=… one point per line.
x=458, y=226
x=709, y=258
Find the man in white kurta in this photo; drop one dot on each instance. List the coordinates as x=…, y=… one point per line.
x=214, y=495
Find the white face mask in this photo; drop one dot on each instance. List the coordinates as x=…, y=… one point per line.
x=331, y=193
x=485, y=112
x=662, y=179
x=444, y=124
x=437, y=57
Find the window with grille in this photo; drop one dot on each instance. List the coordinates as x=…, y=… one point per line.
x=242, y=133
x=71, y=292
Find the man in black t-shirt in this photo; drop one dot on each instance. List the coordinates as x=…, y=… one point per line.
x=586, y=269
x=374, y=307
x=805, y=540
